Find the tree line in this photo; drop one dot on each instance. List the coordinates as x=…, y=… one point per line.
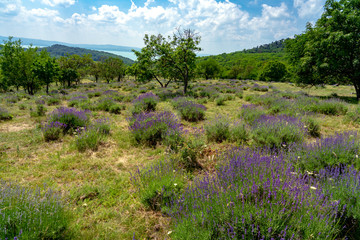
x=32, y=69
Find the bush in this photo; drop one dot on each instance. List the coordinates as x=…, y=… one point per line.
x=353, y=115
x=330, y=107
x=277, y=131
x=145, y=103
x=116, y=109
x=190, y=111
x=40, y=111
x=158, y=184
x=77, y=101
x=151, y=128
x=53, y=130
x=220, y=101
x=88, y=138
x=53, y=101
x=4, y=114
x=239, y=133
x=189, y=154
x=102, y=126
x=217, y=130
x=312, y=126
x=254, y=195
x=70, y=117
x=250, y=113
x=31, y=214
x=105, y=104
x=340, y=149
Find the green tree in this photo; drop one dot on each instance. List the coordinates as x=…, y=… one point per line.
x=111, y=68
x=172, y=58
x=73, y=68
x=329, y=51
x=95, y=70
x=149, y=63
x=45, y=69
x=273, y=71
x=10, y=53
x=208, y=69
x=28, y=80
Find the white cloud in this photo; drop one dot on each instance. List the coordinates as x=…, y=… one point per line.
x=54, y=3
x=39, y=12
x=223, y=25
x=9, y=7
x=308, y=8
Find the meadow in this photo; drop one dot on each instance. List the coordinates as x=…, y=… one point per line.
x=233, y=159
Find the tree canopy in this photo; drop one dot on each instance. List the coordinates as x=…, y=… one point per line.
x=329, y=51
x=171, y=58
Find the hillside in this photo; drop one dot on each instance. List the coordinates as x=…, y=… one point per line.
x=58, y=50
x=247, y=64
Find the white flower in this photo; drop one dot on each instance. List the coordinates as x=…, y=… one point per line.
x=169, y=232
x=313, y=188
x=175, y=184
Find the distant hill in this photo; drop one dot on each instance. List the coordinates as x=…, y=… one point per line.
x=248, y=63
x=274, y=47
x=45, y=43
x=58, y=50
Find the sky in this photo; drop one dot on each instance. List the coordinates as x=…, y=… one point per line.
x=224, y=25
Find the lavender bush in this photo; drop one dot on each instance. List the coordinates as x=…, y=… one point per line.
x=88, y=138
x=190, y=111
x=277, y=131
x=254, y=196
x=158, y=184
x=250, y=113
x=31, y=214
x=53, y=130
x=217, y=130
x=342, y=148
x=70, y=117
x=152, y=127
x=4, y=114
x=145, y=103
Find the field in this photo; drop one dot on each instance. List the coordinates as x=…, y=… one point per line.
x=173, y=181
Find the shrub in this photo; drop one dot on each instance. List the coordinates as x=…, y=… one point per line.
x=220, y=101
x=152, y=127
x=189, y=154
x=31, y=214
x=77, y=101
x=330, y=107
x=353, y=115
x=277, y=131
x=116, y=109
x=102, y=126
x=88, y=138
x=145, y=103
x=250, y=113
x=53, y=101
x=217, y=130
x=312, y=126
x=22, y=106
x=239, y=133
x=71, y=117
x=340, y=149
x=40, y=111
x=190, y=111
x=53, y=130
x=105, y=104
x=158, y=184
x=254, y=195
x=4, y=114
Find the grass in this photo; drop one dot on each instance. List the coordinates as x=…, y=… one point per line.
x=100, y=195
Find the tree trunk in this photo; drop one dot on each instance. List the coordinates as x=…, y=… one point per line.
x=357, y=88
x=47, y=89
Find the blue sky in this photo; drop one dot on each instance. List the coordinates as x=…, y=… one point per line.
x=224, y=26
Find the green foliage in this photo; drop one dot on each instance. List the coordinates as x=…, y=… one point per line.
x=45, y=69
x=40, y=111
x=73, y=67
x=5, y=115
x=31, y=214
x=111, y=68
x=88, y=138
x=312, y=126
x=208, y=68
x=329, y=51
x=239, y=133
x=218, y=130
x=273, y=71
x=329, y=107
x=172, y=59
